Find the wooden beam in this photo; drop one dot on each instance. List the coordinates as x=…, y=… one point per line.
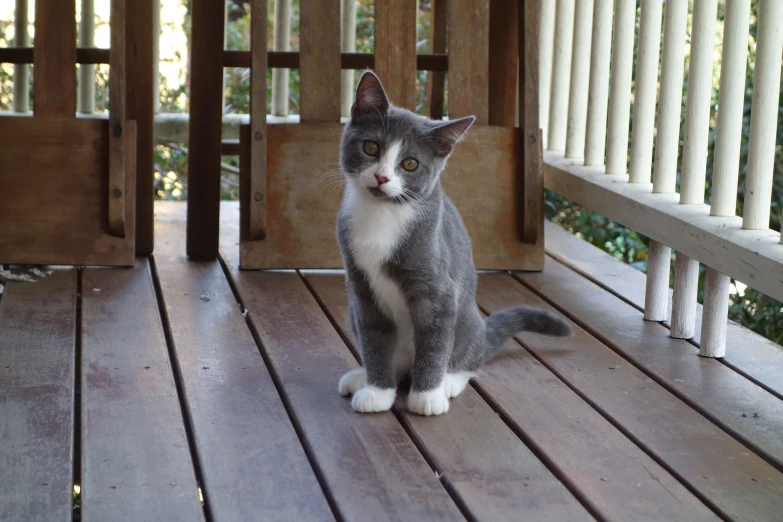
x=117, y=117
x=256, y=202
x=54, y=55
x=469, y=59
x=320, y=60
x=205, y=125
x=532, y=142
x=503, y=59
x=395, y=50
x=436, y=79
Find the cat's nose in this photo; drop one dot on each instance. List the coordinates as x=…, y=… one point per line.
x=381, y=179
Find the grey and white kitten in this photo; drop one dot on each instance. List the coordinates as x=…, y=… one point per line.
x=409, y=265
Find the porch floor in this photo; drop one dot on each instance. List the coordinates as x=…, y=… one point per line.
x=152, y=386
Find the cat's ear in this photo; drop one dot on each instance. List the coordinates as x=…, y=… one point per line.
x=370, y=97
x=446, y=135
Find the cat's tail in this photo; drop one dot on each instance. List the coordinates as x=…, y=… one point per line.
x=504, y=323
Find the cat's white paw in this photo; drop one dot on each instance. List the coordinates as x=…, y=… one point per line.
x=433, y=402
x=455, y=383
x=371, y=399
x=352, y=382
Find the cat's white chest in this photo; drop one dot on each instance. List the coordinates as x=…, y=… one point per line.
x=375, y=231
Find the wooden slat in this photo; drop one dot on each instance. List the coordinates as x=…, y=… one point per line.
x=54, y=86
x=368, y=462
x=140, y=107
x=469, y=59
x=395, y=50
x=256, y=139
x=707, y=385
x=241, y=430
x=303, y=205
x=486, y=450
x=320, y=60
x=135, y=459
x=532, y=144
x=503, y=52
x=436, y=79
x=117, y=115
x=65, y=221
x=290, y=60
x=206, y=84
x=37, y=379
x=749, y=353
x=668, y=428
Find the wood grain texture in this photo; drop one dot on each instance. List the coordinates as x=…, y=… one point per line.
x=54, y=56
x=532, y=142
x=135, y=459
x=747, y=352
x=256, y=139
x=712, y=388
x=436, y=79
x=503, y=53
x=117, y=115
x=320, y=60
x=368, y=462
x=667, y=429
x=140, y=107
x=66, y=222
x=303, y=205
x=37, y=379
x=484, y=451
x=242, y=433
x=206, y=86
x=395, y=50
x=469, y=59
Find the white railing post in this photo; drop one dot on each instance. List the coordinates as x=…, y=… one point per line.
x=580, y=76
x=598, y=95
x=21, y=70
x=546, y=44
x=647, y=58
x=620, y=87
x=348, y=45
x=282, y=32
x=87, y=71
x=656, y=301
x=694, y=158
x=763, y=116
x=723, y=200
x=561, y=74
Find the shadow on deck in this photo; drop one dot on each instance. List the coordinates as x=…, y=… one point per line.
x=154, y=385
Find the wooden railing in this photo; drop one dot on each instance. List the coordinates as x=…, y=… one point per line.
x=587, y=130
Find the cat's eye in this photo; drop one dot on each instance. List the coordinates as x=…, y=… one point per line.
x=410, y=164
x=371, y=148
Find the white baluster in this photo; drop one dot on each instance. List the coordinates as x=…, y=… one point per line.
x=580, y=76
x=546, y=44
x=620, y=87
x=598, y=96
x=561, y=74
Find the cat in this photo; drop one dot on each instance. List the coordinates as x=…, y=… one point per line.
x=410, y=276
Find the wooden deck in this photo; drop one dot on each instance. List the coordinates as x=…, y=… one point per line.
x=155, y=386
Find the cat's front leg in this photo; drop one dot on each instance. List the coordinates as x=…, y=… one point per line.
x=434, y=324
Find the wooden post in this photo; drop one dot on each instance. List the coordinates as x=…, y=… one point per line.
x=86, y=70
x=117, y=116
x=204, y=134
x=395, y=50
x=319, y=60
x=561, y=74
x=347, y=45
x=644, y=99
x=503, y=72
x=620, y=87
x=546, y=44
x=21, y=70
x=580, y=79
x=598, y=94
x=282, y=31
x=257, y=198
x=532, y=145
x=54, y=55
x=436, y=79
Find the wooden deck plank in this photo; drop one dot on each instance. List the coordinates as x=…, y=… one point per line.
x=747, y=352
x=37, y=380
x=242, y=433
x=472, y=446
x=707, y=385
x=136, y=464
x=696, y=450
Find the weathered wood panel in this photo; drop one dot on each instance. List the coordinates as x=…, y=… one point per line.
x=37, y=379
x=136, y=464
x=503, y=54
x=532, y=139
x=54, y=55
x=117, y=198
x=436, y=79
x=395, y=50
x=469, y=59
x=694, y=449
x=62, y=217
x=241, y=430
x=320, y=60
x=256, y=140
x=304, y=194
x=486, y=450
